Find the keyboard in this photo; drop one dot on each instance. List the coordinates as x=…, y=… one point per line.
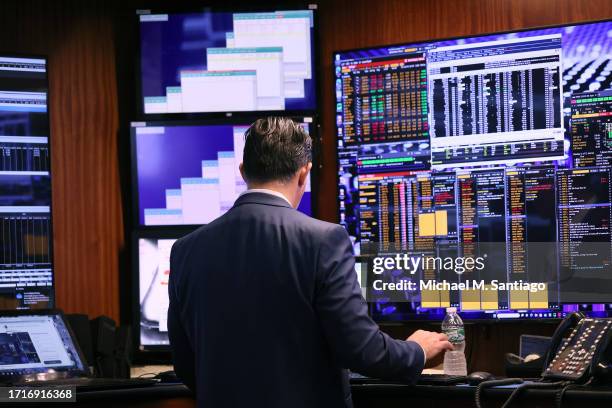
x=93, y=384
x=425, y=379
x=441, y=379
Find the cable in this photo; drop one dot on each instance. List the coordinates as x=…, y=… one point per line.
x=561, y=392
x=510, y=381
x=493, y=383
x=526, y=386
x=534, y=385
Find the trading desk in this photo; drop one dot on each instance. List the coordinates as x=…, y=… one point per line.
x=157, y=396
x=456, y=396
x=364, y=395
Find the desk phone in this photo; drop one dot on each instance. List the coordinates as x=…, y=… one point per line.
x=584, y=353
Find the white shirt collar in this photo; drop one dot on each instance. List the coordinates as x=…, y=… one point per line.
x=266, y=191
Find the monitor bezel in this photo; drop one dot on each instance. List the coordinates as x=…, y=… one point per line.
x=436, y=39
x=185, y=8
x=70, y=373
x=414, y=317
x=314, y=175
x=52, y=298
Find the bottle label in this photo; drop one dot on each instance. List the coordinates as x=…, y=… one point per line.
x=455, y=335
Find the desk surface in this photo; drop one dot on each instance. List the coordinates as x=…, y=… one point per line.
x=155, y=396
x=155, y=392
x=395, y=395
x=364, y=396
x=378, y=395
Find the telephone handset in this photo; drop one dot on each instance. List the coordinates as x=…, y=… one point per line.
x=581, y=349
x=580, y=352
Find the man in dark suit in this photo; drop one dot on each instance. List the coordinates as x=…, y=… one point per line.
x=265, y=307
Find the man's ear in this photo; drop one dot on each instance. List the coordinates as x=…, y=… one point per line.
x=303, y=174
x=241, y=167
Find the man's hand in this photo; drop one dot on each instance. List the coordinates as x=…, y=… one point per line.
x=432, y=343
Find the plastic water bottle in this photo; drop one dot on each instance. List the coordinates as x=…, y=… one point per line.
x=452, y=326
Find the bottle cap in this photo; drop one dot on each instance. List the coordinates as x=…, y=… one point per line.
x=451, y=310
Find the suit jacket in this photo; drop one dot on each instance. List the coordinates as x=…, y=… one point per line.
x=266, y=311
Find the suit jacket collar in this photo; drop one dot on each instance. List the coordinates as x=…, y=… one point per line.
x=261, y=198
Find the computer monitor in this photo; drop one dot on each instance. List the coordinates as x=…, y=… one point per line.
x=38, y=345
x=499, y=140
x=186, y=173
x=26, y=256
x=151, y=255
x=227, y=61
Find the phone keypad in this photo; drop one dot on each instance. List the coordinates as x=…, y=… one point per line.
x=576, y=352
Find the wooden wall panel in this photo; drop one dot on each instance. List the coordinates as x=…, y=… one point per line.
x=86, y=191
x=77, y=37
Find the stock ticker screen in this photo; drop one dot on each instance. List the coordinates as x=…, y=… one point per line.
x=26, y=274
x=502, y=140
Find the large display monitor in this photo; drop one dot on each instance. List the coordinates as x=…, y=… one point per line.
x=223, y=61
x=186, y=173
x=500, y=140
x=26, y=255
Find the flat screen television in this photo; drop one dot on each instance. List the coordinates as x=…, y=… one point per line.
x=186, y=172
x=209, y=61
x=26, y=238
x=502, y=141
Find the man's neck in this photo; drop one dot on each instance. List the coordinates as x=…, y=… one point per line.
x=276, y=187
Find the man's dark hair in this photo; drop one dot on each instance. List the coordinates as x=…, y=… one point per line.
x=274, y=149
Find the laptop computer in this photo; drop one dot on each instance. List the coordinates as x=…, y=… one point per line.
x=38, y=348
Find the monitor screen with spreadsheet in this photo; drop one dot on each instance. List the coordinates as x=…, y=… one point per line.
x=186, y=173
x=214, y=61
x=499, y=141
x=26, y=266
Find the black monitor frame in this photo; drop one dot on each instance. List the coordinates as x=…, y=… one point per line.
x=408, y=44
x=52, y=299
x=314, y=175
x=460, y=37
x=190, y=7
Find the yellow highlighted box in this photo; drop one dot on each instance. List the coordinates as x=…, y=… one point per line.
x=539, y=299
x=430, y=298
x=435, y=298
x=490, y=298
x=519, y=299
x=470, y=299
x=427, y=225
x=444, y=298
x=441, y=223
